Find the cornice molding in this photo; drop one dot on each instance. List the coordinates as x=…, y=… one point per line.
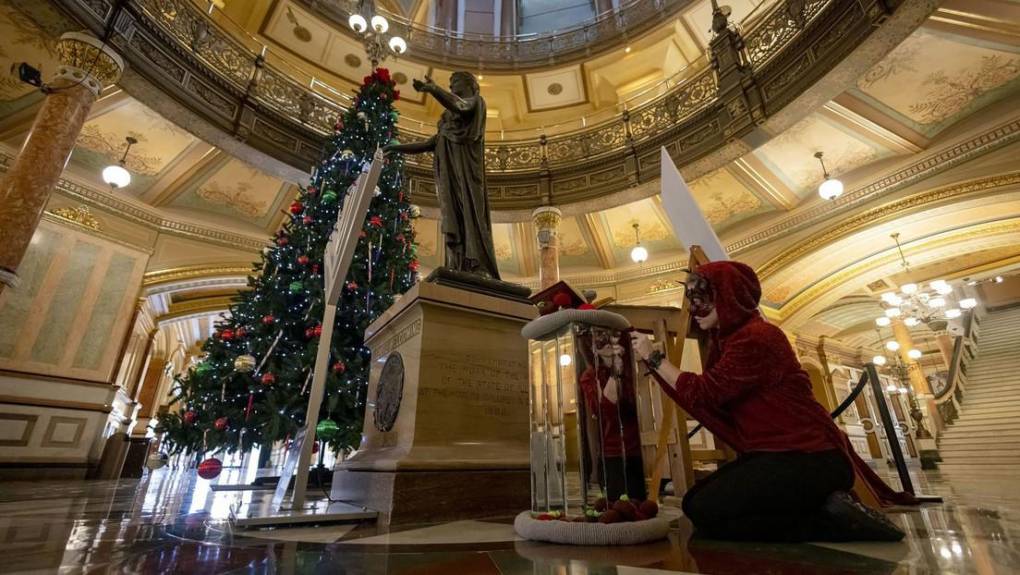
x=145, y=216
x=927, y=167
x=883, y=213
x=184, y=277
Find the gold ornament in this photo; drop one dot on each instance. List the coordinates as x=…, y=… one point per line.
x=244, y=363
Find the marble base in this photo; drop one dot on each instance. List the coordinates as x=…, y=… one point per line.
x=433, y=496
x=448, y=439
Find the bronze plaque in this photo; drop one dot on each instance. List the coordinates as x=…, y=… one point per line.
x=389, y=392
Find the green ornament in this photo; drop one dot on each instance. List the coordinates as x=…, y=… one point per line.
x=296, y=286
x=203, y=369
x=394, y=115
x=326, y=430
x=394, y=142
x=329, y=197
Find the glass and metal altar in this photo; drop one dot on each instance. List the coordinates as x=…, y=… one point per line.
x=585, y=438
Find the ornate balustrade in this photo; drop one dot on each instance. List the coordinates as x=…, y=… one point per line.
x=240, y=88
x=949, y=393
x=513, y=53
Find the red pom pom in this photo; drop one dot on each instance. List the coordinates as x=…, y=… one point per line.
x=189, y=417
x=375, y=221
x=227, y=334
x=303, y=260
x=317, y=330
x=221, y=423
x=307, y=220
x=268, y=320
x=561, y=299
x=339, y=367
x=586, y=306
x=210, y=468
x=268, y=379
x=413, y=265
x=296, y=208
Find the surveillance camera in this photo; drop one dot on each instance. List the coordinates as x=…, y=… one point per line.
x=27, y=73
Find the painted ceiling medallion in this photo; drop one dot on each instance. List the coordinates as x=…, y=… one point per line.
x=555, y=89
x=352, y=61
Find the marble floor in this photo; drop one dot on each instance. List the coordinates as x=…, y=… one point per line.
x=173, y=522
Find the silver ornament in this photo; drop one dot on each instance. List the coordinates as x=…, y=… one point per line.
x=244, y=363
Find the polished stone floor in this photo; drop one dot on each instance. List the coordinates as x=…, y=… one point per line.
x=173, y=522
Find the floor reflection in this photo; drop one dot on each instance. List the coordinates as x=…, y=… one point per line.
x=171, y=521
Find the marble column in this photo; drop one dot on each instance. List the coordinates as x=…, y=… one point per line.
x=86, y=67
x=547, y=228
x=924, y=402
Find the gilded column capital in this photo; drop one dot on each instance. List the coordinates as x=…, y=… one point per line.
x=86, y=60
x=547, y=224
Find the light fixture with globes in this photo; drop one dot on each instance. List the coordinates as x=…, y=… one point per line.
x=830, y=188
x=914, y=304
x=373, y=28
x=117, y=175
x=639, y=254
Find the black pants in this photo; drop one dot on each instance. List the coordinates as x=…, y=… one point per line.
x=770, y=496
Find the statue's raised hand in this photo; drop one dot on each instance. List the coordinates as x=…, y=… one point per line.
x=420, y=86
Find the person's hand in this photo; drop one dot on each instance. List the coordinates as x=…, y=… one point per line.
x=389, y=149
x=642, y=345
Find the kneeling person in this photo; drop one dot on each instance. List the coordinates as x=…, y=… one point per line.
x=795, y=468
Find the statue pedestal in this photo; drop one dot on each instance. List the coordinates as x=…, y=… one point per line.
x=446, y=426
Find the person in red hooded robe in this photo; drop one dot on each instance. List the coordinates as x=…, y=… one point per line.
x=795, y=467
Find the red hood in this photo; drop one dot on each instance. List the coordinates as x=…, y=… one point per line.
x=736, y=292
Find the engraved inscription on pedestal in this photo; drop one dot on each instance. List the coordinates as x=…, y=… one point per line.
x=390, y=390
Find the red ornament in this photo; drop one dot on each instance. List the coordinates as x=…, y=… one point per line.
x=221, y=423
x=282, y=241
x=366, y=80
x=303, y=260
x=268, y=379
x=309, y=333
x=240, y=333
x=296, y=208
x=339, y=367
x=317, y=330
x=307, y=220
x=586, y=306
x=312, y=190
x=227, y=334
x=383, y=74
x=315, y=268
x=413, y=265
x=375, y=221
x=561, y=299
x=268, y=320
x=210, y=468
x=189, y=417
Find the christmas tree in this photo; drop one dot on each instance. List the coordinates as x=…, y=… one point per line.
x=252, y=385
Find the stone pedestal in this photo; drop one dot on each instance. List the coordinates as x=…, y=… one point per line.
x=446, y=425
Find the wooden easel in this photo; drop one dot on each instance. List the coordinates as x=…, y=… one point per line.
x=671, y=413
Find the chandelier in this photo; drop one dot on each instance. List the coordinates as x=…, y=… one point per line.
x=374, y=37
x=915, y=304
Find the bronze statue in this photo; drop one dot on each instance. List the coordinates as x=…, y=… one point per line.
x=459, y=147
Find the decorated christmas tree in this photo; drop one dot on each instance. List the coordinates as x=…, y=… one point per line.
x=252, y=385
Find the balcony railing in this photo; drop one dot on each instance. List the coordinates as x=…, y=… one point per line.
x=236, y=83
x=519, y=52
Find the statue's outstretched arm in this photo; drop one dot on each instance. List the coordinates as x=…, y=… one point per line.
x=453, y=102
x=428, y=145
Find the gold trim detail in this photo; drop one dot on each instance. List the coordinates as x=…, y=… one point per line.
x=81, y=215
x=194, y=272
x=876, y=215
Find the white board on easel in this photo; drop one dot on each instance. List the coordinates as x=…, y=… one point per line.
x=689, y=224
